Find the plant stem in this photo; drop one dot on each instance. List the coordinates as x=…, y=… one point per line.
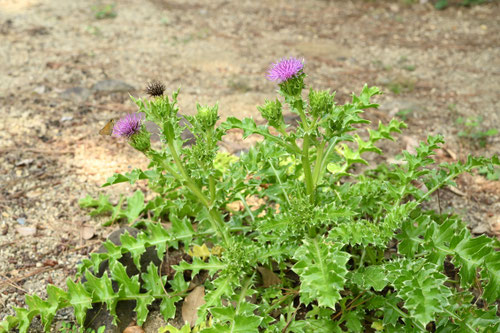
x=318, y=163
x=211, y=185
x=216, y=219
x=307, y=168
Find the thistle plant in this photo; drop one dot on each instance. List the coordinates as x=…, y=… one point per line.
x=328, y=247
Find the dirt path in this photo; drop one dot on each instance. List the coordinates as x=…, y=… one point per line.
x=64, y=73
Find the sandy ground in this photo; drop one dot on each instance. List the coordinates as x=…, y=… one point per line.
x=54, y=97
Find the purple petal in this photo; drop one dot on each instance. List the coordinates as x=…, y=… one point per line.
x=285, y=69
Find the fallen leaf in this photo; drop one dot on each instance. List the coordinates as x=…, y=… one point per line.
x=87, y=232
x=50, y=262
x=269, y=278
x=495, y=225
x=191, y=304
x=133, y=329
x=200, y=251
x=235, y=206
x=26, y=231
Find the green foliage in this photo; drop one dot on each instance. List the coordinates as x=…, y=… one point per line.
x=442, y=4
x=314, y=243
x=473, y=130
x=104, y=11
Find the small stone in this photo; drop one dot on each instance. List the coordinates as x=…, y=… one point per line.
x=4, y=228
x=26, y=231
x=24, y=162
x=75, y=93
x=39, y=264
x=40, y=90
x=111, y=86
x=21, y=221
x=480, y=229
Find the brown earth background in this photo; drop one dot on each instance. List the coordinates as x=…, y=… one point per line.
x=64, y=73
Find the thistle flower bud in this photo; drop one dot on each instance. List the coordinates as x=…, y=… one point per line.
x=272, y=112
x=141, y=140
x=131, y=127
x=207, y=116
x=320, y=102
x=288, y=73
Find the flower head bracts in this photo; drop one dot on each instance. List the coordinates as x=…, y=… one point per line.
x=285, y=69
x=128, y=125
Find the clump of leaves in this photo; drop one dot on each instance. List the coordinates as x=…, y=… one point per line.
x=315, y=245
x=104, y=11
x=442, y=4
x=473, y=130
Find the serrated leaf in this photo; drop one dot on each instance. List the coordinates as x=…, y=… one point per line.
x=102, y=292
x=321, y=267
x=134, y=246
x=469, y=254
x=182, y=229
x=491, y=292
x=135, y=206
x=212, y=266
x=101, y=205
x=130, y=287
x=353, y=321
x=223, y=286
x=422, y=288
x=79, y=299
x=159, y=237
x=155, y=286
x=375, y=277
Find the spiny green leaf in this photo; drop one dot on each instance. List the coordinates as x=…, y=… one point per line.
x=321, y=267
x=469, y=254
x=159, y=237
x=79, y=299
x=223, y=287
x=212, y=266
x=8, y=323
x=182, y=229
x=135, y=206
x=353, y=321
x=371, y=277
x=102, y=292
x=101, y=205
x=134, y=246
x=155, y=286
x=491, y=292
x=421, y=286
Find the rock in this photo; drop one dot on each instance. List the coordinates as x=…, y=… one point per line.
x=75, y=93
x=26, y=231
x=481, y=229
x=112, y=86
x=4, y=229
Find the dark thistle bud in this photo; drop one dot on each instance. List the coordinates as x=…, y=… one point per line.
x=155, y=88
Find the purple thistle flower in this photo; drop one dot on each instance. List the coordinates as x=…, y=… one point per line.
x=128, y=125
x=285, y=69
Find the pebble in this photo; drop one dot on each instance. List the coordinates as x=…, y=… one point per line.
x=75, y=93
x=21, y=221
x=110, y=86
